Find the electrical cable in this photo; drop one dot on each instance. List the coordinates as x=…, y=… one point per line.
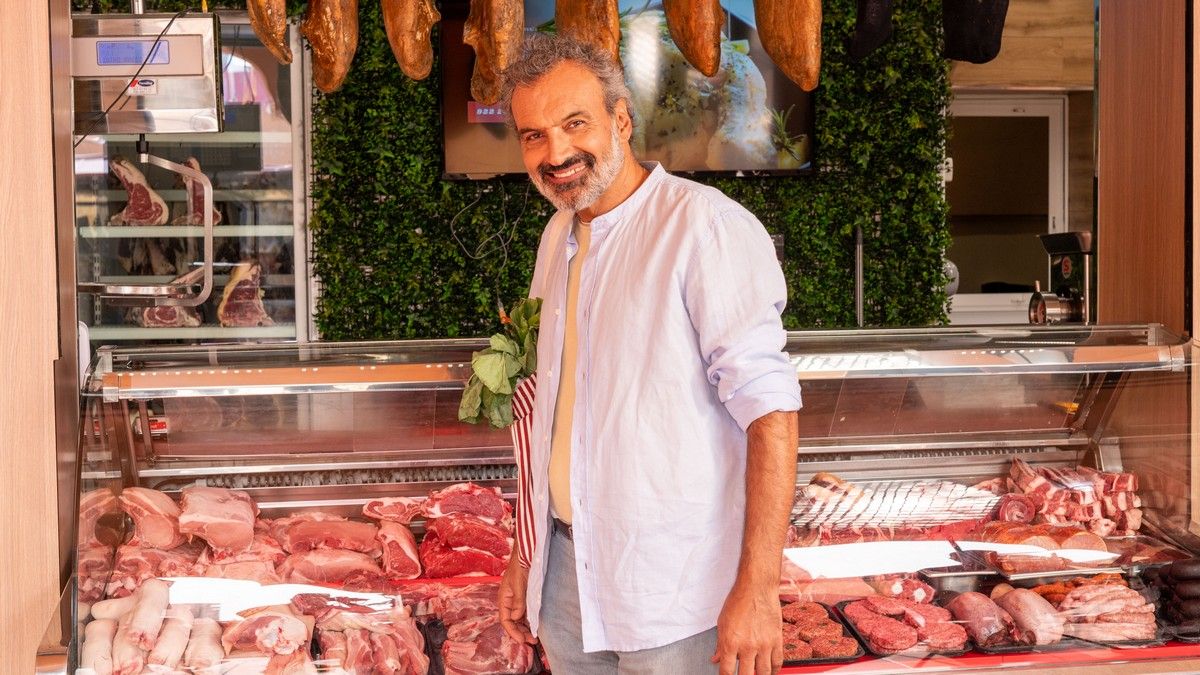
x=125, y=92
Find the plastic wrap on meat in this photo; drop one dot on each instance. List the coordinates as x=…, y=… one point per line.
x=986, y=623
x=271, y=630
x=1035, y=619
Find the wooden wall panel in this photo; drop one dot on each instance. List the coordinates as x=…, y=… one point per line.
x=1140, y=163
x=1081, y=160
x=1046, y=44
x=28, y=336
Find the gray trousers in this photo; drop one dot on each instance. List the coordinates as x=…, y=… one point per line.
x=561, y=629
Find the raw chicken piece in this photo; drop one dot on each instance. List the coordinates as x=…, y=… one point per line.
x=400, y=558
x=307, y=535
x=204, y=648
x=155, y=518
x=96, y=652
x=173, y=638
x=271, y=630
x=224, y=518
x=146, y=618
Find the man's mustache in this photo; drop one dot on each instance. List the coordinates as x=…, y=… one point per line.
x=587, y=159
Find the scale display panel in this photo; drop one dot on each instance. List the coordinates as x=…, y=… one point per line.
x=132, y=53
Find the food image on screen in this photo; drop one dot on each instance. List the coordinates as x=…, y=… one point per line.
x=746, y=117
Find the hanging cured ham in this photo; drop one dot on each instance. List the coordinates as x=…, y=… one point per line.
x=268, y=18
x=331, y=27
x=790, y=31
x=695, y=28
x=596, y=22
x=495, y=30
x=408, y=24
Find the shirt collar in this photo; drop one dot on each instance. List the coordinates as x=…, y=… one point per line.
x=604, y=222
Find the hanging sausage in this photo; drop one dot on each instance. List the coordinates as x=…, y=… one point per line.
x=331, y=27
x=495, y=30
x=597, y=22
x=268, y=18
x=408, y=24
x=696, y=30
x=790, y=31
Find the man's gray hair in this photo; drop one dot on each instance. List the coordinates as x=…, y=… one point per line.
x=542, y=52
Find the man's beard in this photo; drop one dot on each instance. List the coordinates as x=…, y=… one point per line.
x=596, y=177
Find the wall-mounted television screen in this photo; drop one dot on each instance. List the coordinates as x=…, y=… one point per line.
x=748, y=118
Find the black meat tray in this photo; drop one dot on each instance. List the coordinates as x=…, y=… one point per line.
x=916, y=652
x=434, y=632
x=830, y=660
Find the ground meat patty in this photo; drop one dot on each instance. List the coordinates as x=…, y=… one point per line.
x=791, y=632
x=919, y=616
x=817, y=630
x=858, y=611
x=833, y=647
x=887, y=606
x=944, y=637
x=797, y=611
x=887, y=636
x=796, y=650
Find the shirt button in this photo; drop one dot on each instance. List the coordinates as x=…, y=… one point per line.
x=557, y=312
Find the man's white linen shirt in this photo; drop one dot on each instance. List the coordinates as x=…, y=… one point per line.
x=680, y=349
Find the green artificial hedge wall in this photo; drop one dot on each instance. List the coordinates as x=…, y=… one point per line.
x=401, y=253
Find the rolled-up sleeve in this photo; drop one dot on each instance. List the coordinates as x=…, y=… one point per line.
x=735, y=293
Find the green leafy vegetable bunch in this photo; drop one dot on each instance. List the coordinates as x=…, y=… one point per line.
x=511, y=356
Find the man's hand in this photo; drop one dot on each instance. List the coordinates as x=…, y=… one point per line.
x=511, y=599
x=750, y=632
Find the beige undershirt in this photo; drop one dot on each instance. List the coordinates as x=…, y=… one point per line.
x=564, y=409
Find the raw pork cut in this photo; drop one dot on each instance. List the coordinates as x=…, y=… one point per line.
x=127, y=657
x=241, y=302
x=263, y=549
x=136, y=564
x=487, y=503
x=400, y=557
x=145, y=206
x=94, y=565
x=986, y=623
x=278, y=528
x=459, y=530
x=195, y=202
x=168, y=316
x=94, y=505
x=224, y=518
x=271, y=630
x=306, y=535
x=396, y=509
x=490, y=651
x=329, y=566
x=155, y=518
x=440, y=560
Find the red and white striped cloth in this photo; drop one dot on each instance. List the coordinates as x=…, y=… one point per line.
x=522, y=404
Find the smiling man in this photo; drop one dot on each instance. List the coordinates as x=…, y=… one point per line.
x=663, y=443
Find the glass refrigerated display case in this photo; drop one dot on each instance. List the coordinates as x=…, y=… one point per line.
x=966, y=499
